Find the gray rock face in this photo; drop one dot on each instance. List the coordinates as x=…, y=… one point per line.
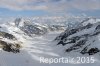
x=83, y=39
x=7, y=35
x=17, y=21
x=10, y=47
x=31, y=28
x=6, y=46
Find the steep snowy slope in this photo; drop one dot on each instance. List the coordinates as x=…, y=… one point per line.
x=31, y=28
x=32, y=48
x=84, y=39
x=8, y=42
x=14, y=34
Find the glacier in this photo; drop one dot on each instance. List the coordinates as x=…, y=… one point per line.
x=71, y=38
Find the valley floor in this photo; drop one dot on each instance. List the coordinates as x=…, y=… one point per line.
x=37, y=47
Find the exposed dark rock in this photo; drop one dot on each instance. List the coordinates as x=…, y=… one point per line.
x=7, y=35
x=65, y=35
x=77, y=45
x=95, y=33
x=10, y=47
x=61, y=42
x=89, y=25
x=17, y=21
x=32, y=29
x=81, y=42
x=85, y=20
x=93, y=51
x=85, y=49
x=98, y=27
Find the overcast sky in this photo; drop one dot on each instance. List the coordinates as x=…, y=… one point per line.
x=49, y=7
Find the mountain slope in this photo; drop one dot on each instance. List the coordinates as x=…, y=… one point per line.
x=83, y=39
x=31, y=28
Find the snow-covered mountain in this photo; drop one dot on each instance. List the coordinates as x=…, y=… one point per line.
x=75, y=34
x=8, y=42
x=84, y=39
x=31, y=28
x=32, y=40
x=14, y=33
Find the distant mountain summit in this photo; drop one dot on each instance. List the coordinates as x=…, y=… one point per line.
x=13, y=34
x=33, y=28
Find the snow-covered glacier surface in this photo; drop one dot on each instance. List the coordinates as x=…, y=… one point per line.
x=75, y=37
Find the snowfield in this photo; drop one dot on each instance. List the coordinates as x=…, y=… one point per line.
x=34, y=47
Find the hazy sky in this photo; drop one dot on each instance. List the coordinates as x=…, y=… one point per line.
x=49, y=7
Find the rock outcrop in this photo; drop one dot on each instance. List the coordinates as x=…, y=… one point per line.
x=6, y=45
x=84, y=39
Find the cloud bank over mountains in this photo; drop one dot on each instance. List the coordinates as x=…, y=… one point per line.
x=50, y=5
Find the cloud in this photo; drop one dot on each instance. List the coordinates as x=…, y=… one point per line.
x=83, y=5
x=22, y=5
x=86, y=4
x=51, y=5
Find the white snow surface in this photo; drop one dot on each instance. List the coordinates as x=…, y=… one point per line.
x=36, y=47
x=33, y=49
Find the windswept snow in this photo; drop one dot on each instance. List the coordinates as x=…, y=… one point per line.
x=35, y=48
x=42, y=45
